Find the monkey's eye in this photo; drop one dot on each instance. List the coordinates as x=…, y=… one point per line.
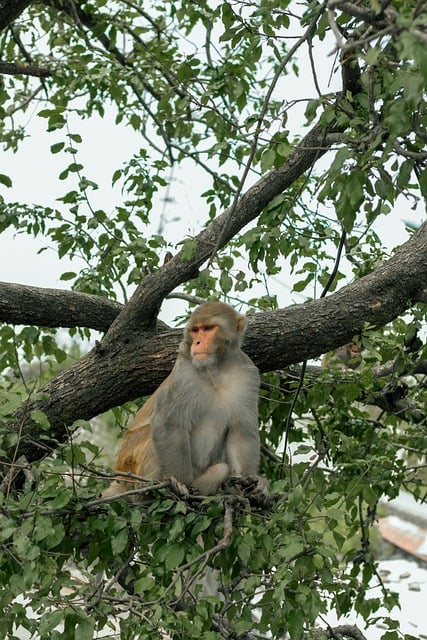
x=209, y=327
x=203, y=327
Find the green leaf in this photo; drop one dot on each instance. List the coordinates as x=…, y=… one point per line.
x=244, y=551
x=75, y=167
x=422, y=178
x=144, y=584
x=5, y=180
x=226, y=282
x=40, y=418
x=57, y=147
x=202, y=524
x=61, y=499
x=84, y=629
x=188, y=249
x=119, y=541
x=116, y=176
x=372, y=55
x=68, y=275
x=49, y=621
x=268, y=159
x=174, y=555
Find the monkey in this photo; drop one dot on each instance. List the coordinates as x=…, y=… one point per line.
x=348, y=356
x=200, y=426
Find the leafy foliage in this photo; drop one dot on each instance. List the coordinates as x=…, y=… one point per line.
x=208, y=86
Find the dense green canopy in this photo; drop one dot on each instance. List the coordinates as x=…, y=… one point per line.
x=297, y=131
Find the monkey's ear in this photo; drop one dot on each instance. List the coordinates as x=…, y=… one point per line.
x=242, y=323
x=184, y=348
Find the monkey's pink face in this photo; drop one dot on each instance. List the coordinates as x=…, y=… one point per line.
x=203, y=338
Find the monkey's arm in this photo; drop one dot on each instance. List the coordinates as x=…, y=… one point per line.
x=243, y=448
x=243, y=453
x=171, y=436
x=243, y=443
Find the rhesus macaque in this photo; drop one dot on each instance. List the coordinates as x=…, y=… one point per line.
x=201, y=424
x=347, y=357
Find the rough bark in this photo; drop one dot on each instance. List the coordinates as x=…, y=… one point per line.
x=10, y=10
x=24, y=70
x=21, y=304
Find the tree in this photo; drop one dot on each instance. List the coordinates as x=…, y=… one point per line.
x=205, y=85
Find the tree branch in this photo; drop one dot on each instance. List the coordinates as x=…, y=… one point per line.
x=144, y=305
x=24, y=69
x=114, y=373
x=21, y=304
x=346, y=630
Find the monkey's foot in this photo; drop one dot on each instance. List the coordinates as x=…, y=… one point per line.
x=255, y=488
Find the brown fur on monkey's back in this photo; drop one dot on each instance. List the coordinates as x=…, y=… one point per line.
x=136, y=453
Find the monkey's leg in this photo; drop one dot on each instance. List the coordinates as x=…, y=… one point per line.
x=212, y=478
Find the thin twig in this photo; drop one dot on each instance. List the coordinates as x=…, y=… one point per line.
x=207, y=555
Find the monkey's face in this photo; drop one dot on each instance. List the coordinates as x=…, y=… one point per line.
x=204, y=342
x=354, y=351
x=213, y=334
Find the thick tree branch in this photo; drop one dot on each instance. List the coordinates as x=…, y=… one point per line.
x=10, y=10
x=345, y=631
x=114, y=373
x=21, y=304
x=12, y=69
x=144, y=305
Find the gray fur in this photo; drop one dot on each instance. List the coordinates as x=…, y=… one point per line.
x=208, y=414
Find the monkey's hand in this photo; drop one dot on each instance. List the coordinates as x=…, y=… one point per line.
x=179, y=488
